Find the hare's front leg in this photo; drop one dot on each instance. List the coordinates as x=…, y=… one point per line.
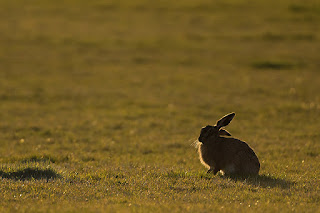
x=215, y=170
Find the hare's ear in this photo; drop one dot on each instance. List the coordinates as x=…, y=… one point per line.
x=224, y=132
x=225, y=120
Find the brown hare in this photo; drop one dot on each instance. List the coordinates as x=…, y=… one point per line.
x=230, y=155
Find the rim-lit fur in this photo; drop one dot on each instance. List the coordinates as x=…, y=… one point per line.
x=230, y=155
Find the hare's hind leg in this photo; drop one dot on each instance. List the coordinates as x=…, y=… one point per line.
x=230, y=169
x=247, y=164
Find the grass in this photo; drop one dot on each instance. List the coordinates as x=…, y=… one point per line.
x=101, y=101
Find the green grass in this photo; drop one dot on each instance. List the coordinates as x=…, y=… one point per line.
x=100, y=102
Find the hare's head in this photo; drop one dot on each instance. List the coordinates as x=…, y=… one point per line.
x=216, y=131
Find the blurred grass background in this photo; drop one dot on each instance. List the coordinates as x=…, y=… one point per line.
x=99, y=89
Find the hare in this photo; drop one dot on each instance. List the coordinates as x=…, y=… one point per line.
x=230, y=155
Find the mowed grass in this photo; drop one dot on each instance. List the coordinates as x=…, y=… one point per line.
x=100, y=102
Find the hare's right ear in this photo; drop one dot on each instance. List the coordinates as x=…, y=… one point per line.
x=224, y=121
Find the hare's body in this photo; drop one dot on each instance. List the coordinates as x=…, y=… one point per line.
x=230, y=155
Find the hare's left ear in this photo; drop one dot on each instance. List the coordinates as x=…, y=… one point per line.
x=225, y=120
x=224, y=132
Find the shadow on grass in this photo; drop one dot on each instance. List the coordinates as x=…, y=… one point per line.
x=274, y=65
x=30, y=173
x=264, y=181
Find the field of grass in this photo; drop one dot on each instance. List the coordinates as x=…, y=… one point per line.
x=100, y=102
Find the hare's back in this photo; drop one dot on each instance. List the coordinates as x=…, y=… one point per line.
x=233, y=146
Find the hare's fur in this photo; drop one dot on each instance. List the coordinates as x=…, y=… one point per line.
x=231, y=156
